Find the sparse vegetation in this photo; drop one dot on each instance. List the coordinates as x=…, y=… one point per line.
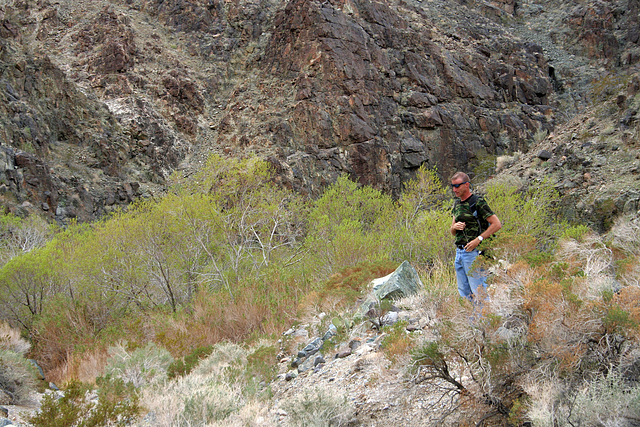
x=116, y=403
x=17, y=377
x=317, y=408
x=228, y=259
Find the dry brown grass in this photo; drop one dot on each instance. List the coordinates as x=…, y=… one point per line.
x=625, y=242
x=506, y=288
x=84, y=367
x=11, y=340
x=215, y=317
x=206, y=396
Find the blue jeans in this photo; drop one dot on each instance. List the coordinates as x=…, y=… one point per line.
x=471, y=279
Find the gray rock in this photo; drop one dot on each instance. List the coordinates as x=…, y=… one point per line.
x=545, y=155
x=330, y=333
x=344, y=353
x=319, y=359
x=353, y=344
x=290, y=375
x=311, y=348
x=307, y=364
x=401, y=283
x=390, y=318
x=5, y=422
x=40, y=371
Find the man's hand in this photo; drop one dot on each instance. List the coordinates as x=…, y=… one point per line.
x=459, y=225
x=472, y=245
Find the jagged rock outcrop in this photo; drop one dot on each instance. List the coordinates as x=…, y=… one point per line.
x=109, y=98
x=379, y=91
x=593, y=161
x=67, y=154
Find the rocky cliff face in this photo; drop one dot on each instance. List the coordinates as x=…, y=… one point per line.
x=103, y=100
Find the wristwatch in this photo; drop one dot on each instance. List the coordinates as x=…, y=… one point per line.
x=480, y=238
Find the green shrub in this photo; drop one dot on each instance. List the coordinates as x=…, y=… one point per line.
x=532, y=212
x=319, y=408
x=117, y=404
x=182, y=367
x=140, y=367
x=607, y=401
x=261, y=363
x=576, y=232
x=210, y=403
x=346, y=222
x=538, y=258
x=618, y=320
x=418, y=229
x=17, y=376
x=397, y=342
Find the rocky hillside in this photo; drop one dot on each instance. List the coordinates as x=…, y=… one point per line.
x=103, y=100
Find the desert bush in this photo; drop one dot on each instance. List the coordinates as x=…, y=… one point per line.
x=242, y=221
x=116, y=404
x=425, y=192
x=210, y=393
x=27, y=283
x=624, y=240
x=397, y=342
x=424, y=241
x=591, y=262
x=607, y=400
x=553, y=318
x=11, y=340
x=344, y=226
x=418, y=228
x=346, y=285
x=505, y=161
x=527, y=217
x=261, y=306
x=210, y=403
x=319, y=408
x=576, y=232
x=185, y=365
x=67, y=328
x=261, y=366
x=17, y=376
x=216, y=389
x=141, y=366
x=229, y=232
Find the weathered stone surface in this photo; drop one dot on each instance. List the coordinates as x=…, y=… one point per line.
x=404, y=281
x=344, y=48
x=545, y=155
x=103, y=94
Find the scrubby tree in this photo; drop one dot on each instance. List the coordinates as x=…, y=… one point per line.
x=18, y=236
x=346, y=224
x=418, y=230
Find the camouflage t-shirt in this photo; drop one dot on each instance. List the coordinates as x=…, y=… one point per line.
x=462, y=211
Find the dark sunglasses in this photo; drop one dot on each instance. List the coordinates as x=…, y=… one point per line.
x=458, y=185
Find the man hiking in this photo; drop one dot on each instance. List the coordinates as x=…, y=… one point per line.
x=473, y=221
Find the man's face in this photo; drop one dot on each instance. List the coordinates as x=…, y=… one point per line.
x=460, y=188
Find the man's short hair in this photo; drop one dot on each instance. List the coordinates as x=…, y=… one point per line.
x=462, y=175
